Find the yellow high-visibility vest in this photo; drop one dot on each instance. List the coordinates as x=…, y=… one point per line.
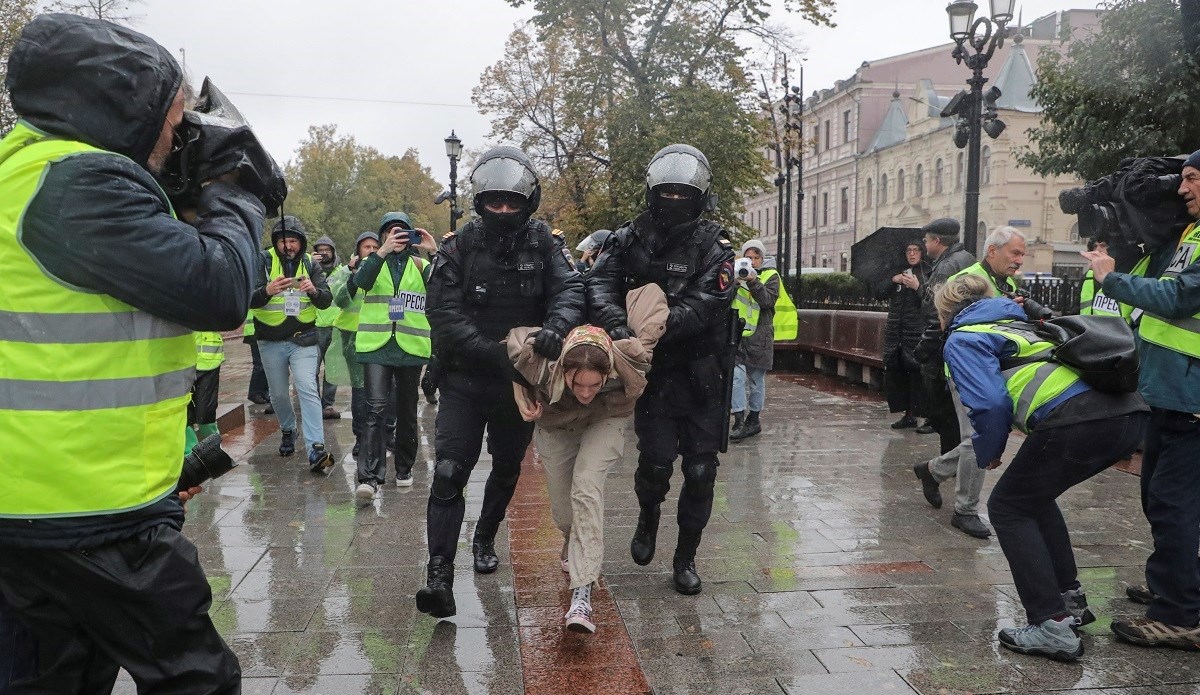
x=271, y=313
x=210, y=350
x=93, y=392
x=395, y=313
x=1182, y=334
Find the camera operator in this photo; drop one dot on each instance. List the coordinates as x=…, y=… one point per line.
x=758, y=293
x=1169, y=349
x=503, y=270
x=683, y=410
x=108, y=287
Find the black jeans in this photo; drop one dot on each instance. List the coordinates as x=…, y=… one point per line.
x=666, y=431
x=1028, y=522
x=1171, y=499
x=17, y=648
x=402, y=384
x=258, y=377
x=469, y=403
x=202, y=409
x=140, y=604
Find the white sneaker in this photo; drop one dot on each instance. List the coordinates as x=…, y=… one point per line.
x=405, y=481
x=365, y=492
x=579, y=618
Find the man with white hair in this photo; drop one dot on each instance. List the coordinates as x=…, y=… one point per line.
x=1004, y=255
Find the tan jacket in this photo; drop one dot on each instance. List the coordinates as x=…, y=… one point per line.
x=647, y=307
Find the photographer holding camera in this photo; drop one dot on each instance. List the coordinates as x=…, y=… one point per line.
x=1169, y=348
x=759, y=294
x=104, y=287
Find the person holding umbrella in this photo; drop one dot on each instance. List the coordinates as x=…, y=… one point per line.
x=905, y=321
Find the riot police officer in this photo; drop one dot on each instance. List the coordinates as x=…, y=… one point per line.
x=501, y=271
x=683, y=410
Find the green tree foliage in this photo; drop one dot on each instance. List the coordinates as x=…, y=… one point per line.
x=341, y=188
x=14, y=15
x=1129, y=90
x=592, y=89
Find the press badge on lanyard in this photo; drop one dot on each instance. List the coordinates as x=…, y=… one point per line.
x=405, y=301
x=291, y=303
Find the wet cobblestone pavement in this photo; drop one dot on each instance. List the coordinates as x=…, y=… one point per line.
x=825, y=572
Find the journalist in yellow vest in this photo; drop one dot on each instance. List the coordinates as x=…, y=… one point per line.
x=202, y=411
x=1169, y=348
x=290, y=290
x=393, y=344
x=325, y=255
x=760, y=299
x=349, y=301
x=1004, y=254
x=1006, y=378
x=103, y=288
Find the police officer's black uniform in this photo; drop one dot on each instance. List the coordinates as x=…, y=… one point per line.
x=501, y=271
x=683, y=409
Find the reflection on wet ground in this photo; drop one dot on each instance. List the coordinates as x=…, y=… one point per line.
x=825, y=572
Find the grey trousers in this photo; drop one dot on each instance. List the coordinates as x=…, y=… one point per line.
x=959, y=463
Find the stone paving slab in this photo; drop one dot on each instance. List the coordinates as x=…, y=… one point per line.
x=825, y=572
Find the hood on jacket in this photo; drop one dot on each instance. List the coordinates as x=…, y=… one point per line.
x=92, y=81
x=361, y=238
x=290, y=226
x=989, y=310
x=390, y=218
x=326, y=241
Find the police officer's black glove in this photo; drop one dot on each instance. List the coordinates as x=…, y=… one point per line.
x=548, y=343
x=621, y=332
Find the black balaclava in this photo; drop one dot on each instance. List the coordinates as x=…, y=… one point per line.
x=505, y=224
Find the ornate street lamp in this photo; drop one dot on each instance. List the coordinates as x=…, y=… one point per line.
x=976, y=41
x=787, y=156
x=453, y=151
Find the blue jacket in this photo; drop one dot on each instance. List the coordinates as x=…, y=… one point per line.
x=974, y=361
x=1168, y=379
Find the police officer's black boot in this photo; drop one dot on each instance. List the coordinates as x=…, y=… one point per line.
x=483, y=547
x=645, y=536
x=437, y=597
x=687, y=581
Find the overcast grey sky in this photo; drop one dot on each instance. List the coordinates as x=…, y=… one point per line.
x=370, y=51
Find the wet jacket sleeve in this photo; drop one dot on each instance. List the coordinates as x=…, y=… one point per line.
x=323, y=297
x=454, y=333
x=259, y=297
x=565, y=299
x=368, y=271
x=704, y=303
x=1171, y=298
x=101, y=222
x=974, y=361
x=606, y=286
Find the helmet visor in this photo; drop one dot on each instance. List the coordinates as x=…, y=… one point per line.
x=503, y=175
x=679, y=168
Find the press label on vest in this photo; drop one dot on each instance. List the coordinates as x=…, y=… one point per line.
x=1103, y=302
x=291, y=304
x=1181, y=259
x=412, y=301
x=676, y=268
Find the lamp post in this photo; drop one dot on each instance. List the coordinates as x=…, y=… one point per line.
x=786, y=158
x=454, y=151
x=982, y=37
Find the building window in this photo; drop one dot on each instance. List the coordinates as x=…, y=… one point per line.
x=1073, y=235
x=816, y=139
x=844, y=213
x=824, y=209
x=938, y=170
x=824, y=261
x=918, y=181
x=758, y=221
x=828, y=128
x=846, y=126
x=883, y=189
x=813, y=219
x=900, y=185
x=870, y=193
x=985, y=166
x=958, y=172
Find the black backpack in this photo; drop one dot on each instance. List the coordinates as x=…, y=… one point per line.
x=1101, y=349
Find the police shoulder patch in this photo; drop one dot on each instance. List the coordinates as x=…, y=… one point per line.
x=725, y=242
x=449, y=235
x=558, y=233
x=568, y=257
x=725, y=276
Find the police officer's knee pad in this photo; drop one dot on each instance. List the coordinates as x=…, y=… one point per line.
x=653, y=469
x=700, y=476
x=449, y=480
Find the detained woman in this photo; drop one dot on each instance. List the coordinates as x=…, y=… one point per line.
x=1005, y=379
x=581, y=403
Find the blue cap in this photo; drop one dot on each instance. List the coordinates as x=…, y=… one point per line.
x=1193, y=161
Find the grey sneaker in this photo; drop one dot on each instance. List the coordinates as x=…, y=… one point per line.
x=1076, y=603
x=1054, y=639
x=579, y=617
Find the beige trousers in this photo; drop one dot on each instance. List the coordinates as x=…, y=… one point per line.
x=576, y=462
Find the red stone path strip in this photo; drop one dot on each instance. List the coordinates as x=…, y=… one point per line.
x=552, y=659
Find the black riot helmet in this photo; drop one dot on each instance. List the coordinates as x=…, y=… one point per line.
x=678, y=185
x=505, y=174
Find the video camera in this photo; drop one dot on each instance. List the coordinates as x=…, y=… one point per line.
x=1138, y=204
x=215, y=139
x=743, y=268
x=204, y=462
